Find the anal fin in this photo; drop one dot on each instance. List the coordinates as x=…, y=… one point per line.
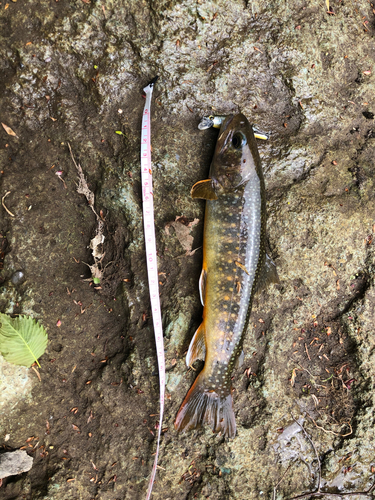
x=197, y=348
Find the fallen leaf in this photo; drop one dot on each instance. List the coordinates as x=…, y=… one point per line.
x=182, y=229
x=8, y=130
x=193, y=223
x=22, y=340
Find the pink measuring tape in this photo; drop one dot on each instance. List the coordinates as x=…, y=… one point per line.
x=152, y=268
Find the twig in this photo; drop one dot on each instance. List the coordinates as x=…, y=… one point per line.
x=282, y=477
x=318, y=493
x=82, y=186
x=316, y=453
x=3, y=203
x=37, y=373
x=371, y=488
x=304, y=369
x=96, y=243
x=322, y=494
x=332, y=432
x=307, y=352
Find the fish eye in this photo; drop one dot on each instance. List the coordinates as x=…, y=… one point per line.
x=238, y=140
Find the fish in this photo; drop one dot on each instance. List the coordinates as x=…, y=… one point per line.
x=234, y=264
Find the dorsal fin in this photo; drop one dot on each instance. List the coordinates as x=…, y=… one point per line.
x=197, y=348
x=202, y=285
x=204, y=190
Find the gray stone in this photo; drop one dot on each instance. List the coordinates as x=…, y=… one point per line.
x=14, y=462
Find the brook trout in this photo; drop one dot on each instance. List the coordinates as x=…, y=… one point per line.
x=233, y=258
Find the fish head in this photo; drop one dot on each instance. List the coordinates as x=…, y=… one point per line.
x=236, y=156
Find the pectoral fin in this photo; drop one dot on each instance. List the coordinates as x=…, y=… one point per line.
x=202, y=285
x=197, y=348
x=204, y=190
x=267, y=275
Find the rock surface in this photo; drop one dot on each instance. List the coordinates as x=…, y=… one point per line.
x=72, y=72
x=14, y=462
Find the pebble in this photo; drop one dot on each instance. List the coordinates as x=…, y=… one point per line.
x=18, y=278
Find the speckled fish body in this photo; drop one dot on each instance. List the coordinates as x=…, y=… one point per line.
x=233, y=255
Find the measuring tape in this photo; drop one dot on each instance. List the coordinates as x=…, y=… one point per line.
x=152, y=267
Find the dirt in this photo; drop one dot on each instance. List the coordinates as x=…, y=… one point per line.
x=73, y=72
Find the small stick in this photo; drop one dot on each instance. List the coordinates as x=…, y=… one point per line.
x=3, y=203
x=304, y=369
x=307, y=352
x=282, y=477
x=316, y=453
x=332, y=432
x=320, y=494
x=38, y=374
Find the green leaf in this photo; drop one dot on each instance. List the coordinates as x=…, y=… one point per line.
x=22, y=339
x=118, y=132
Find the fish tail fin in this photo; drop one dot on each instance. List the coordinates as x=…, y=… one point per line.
x=202, y=405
